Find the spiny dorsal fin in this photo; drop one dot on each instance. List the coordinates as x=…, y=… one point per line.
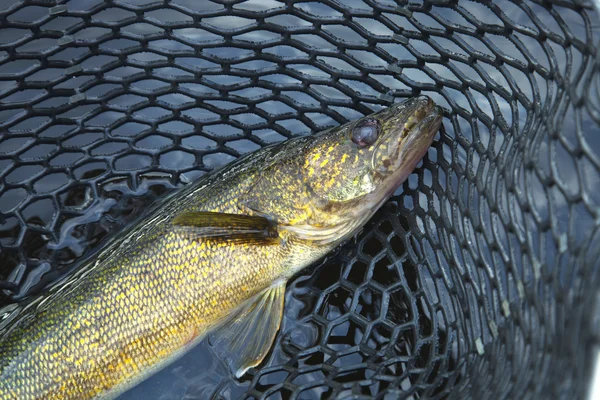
x=227, y=227
x=245, y=338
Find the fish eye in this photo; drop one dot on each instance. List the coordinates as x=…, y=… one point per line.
x=366, y=132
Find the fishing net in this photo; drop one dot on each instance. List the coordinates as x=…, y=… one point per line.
x=478, y=279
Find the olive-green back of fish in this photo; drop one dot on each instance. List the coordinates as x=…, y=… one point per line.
x=190, y=265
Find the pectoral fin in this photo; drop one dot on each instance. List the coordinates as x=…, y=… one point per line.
x=246, y=337
x=229, y=227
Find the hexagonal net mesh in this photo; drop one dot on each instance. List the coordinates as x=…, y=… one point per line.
x=476, y=280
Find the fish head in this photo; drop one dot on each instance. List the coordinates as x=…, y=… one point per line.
x=351, y=170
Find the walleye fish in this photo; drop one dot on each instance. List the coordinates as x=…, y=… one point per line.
x=214, y=257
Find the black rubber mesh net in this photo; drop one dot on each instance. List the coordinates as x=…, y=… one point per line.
x=476, y=280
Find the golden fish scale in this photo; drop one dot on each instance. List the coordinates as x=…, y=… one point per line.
x=142, y=305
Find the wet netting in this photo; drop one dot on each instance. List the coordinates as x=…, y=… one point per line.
x=478, y=279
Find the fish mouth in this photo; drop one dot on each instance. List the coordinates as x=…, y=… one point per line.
x=411, y=132
x=419, y=130
x=423, y=108
x=424, y=120
x=407, y=144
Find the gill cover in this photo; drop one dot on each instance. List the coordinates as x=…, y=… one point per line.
x=296, y=190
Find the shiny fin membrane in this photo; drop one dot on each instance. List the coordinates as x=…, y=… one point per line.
x=227, y=227
x=246, y=337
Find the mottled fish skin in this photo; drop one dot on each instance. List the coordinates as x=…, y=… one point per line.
x=154, y=291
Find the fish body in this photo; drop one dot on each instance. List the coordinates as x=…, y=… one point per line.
x=213, y=257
